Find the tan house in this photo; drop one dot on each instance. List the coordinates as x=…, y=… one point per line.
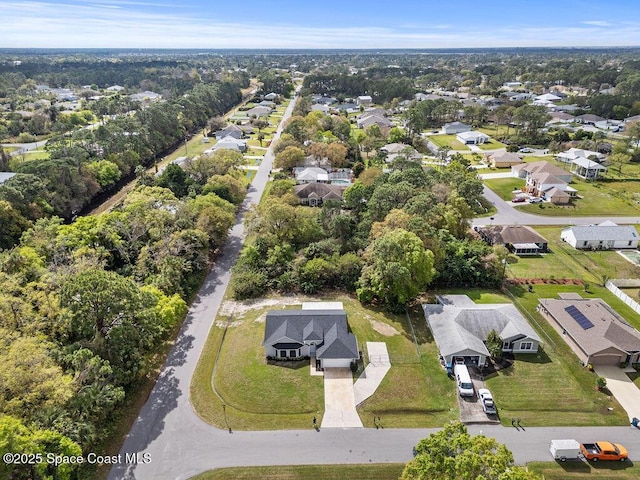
x=596, y=333
x=502, y=159
x=519, y=239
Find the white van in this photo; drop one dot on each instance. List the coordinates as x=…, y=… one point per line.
x=465, y=385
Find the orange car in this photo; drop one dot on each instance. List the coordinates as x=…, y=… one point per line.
x=604, y=451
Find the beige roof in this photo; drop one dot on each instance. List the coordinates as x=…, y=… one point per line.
x=545, y=177
x=505, y=157
x=609, y=330
x=545, y=167
x=555, y=192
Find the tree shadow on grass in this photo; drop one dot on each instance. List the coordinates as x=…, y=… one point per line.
x=290, y=364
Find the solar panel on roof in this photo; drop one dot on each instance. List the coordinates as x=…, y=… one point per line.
x=579, y=317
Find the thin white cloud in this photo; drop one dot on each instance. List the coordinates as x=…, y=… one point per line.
x=90, y=25
x=597, y=23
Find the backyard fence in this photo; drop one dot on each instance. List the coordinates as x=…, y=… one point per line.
x=613, y=287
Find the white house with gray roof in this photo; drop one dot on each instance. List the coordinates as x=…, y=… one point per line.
x=460, y=328
x=604, y=236
x=320, y=333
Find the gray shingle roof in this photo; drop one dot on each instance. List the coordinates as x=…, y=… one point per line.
x=327, y=328
x=460, y=325
x=604, y=232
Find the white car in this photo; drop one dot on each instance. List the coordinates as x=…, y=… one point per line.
x=536, y=200
x=486, y=399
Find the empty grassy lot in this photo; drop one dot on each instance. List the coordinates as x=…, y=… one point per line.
x=447, y=141
x=379, y=471
x=504, y=186
x=491, y=145
x=586, y=471
x=552, y=387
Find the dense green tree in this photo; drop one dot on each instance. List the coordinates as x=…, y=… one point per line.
x=453, y=454
x=289, y=158
x=397, y=268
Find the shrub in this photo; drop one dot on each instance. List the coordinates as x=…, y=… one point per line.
x=601, y=383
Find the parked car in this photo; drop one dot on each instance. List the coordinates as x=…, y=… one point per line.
x=525, y=150
x=536, y=200
x=518, y=199
x=604, y=451
x=488, y=405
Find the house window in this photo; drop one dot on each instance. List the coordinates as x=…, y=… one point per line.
x=526, y=345
x=283, y=353
x=506, y=346
x=629, y=244
x=293, y=353
x=584, y=244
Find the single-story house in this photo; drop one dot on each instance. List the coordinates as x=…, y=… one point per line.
x=587, y=169
x=557, y=196
x=519, y=239
x=311, y=175
x=455, y=128
x=259, y=111
x=231, y=130
x=460, y=328
x=271, y=96
x=473, y=137
x=547, y=97
x=364, y=100
x=320, y=107
x=596, y=333
x=575, y=153
x=604, y=236
x=320, y=333
x=589, y=119
x=315, y=194
x=375, y=116
x=395, y=150
x=146, y=96
x=560, y=117
x=503, y=159
x=230, y=143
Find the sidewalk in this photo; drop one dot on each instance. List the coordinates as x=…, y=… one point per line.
x=373, y=374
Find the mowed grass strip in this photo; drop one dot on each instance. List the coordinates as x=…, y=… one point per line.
x=380, y=471
x=504, y=186
x=585, y=471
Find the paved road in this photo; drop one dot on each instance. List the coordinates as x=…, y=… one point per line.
x=508, y=215
x=167, y=422
x=24, y=147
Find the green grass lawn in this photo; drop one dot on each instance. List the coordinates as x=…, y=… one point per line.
x=491, y=145
x=495, y=130
x=586, y=471
x=379, y=471
x=447, y=141
x=261, y=396
x=552, y=387
x=504, y=186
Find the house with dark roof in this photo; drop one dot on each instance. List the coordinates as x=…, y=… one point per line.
x=519, y=239
x=323, y=334
x=460, y=328
x=595, y=332
x=604, y=236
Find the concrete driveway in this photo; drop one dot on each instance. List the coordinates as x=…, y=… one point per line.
x=621, y=386
x=339, y=399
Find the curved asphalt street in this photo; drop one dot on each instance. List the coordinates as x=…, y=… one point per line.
x=509, y=215
x=172, y=442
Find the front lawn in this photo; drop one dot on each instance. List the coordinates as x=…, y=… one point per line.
x=491, y=145
x=261, y=396
x=447, y=141
x=551, y=387
x=378, y=471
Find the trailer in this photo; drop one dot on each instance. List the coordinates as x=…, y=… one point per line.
x=564, y=450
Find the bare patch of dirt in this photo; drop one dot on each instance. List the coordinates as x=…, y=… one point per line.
x=384, y=328
x=240, y=308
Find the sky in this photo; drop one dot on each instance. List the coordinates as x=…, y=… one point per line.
x=347, y=24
